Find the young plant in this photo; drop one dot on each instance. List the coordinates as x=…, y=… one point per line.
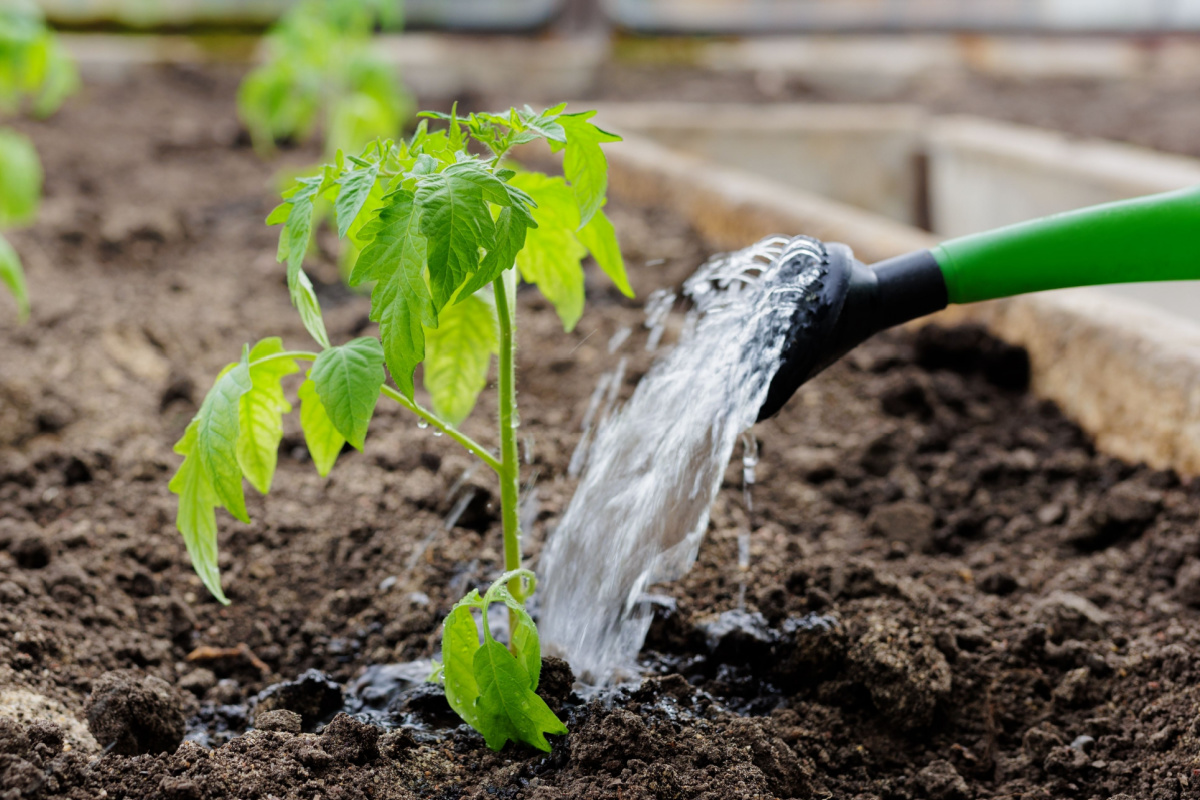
x=320, y=69
x=36, y=76
x=443, y=234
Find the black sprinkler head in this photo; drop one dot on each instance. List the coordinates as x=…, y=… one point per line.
x=840, y=303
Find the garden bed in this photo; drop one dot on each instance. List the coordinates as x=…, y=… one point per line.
x=951, y=593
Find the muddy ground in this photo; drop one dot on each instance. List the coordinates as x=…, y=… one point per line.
x=951, y=594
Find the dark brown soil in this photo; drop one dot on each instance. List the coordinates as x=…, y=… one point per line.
x=951, y=594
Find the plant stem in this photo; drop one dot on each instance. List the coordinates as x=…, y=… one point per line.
x=510, y=465
x=303, y=355
x=433, y=419
x=437, y=423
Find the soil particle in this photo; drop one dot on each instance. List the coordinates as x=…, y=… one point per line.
x=609, y=739
x=905, y=673
x=737, y=636
x=787, y=775
x=555, y=682
x=941, y=781
x=31, y=551
x=904, y=521
x=1037, y=742
x=350, y=741
x=280, y=720
x=1069, y=616
x=1076, y=689
x=198, y=681
x=818, y=648
x=131, y=713
x=1187, y=583
x=1123, y=512
x=312, y=695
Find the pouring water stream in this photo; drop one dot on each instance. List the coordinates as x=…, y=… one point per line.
x=654, y=466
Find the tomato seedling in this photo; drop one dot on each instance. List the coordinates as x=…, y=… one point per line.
x=320, y=69
x=442, y=234
x=36, y=76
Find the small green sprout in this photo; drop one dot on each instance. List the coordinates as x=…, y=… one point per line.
x=321, y=71
x=442, y=235
x=35, y=76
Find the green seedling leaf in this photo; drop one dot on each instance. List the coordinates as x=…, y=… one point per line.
x=217, y=436
x=584, y=163
x=458, y=352
x=34, y=66
x=508, y=707
x=600, y=239
x=210, y=475
x=455, y=218
x=356, y=188
x=552, y=253
x=260, y=414
x=524, y=637
x=321, y=67
x=400, y=302
x=460, y=640
x=323, y=440
x=510, y=231
x=296, y=216
x=13, y=277
x=196, y=517
x=348, y=379
x=20, y=179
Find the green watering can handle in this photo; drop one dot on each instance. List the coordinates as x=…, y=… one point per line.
x=1155, y=238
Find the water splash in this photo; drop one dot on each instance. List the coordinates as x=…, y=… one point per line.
x=655, y=465
x=749, y=465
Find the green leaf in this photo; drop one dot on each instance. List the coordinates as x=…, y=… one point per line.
x=293, y=244
x=210, y=475
x=400, y=302
x=20, y=178
x=600, y=239
x=323, y=440
x=196, y=517
x=348, y=378
x=552, y=251
x=217, y=436
x=458, y=352
x=508, y=707
x=457, y=222
x=356, y=188
x=511, y=226
x=13, y=277
x=584, y=163
x=526, y=645
x=460, y=640
x=260, y=414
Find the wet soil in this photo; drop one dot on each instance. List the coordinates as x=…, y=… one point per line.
x=951, y=594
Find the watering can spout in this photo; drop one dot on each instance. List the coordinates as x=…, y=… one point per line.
x=850, y=303
x=1151, y=238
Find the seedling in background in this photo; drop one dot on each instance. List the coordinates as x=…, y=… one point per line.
x=35, y=76
x=442, y=235
x=321, y=72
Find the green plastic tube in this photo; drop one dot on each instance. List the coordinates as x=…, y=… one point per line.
x=1154, y=238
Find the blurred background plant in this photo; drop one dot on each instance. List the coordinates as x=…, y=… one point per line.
x=321, y=74
x=36, y=75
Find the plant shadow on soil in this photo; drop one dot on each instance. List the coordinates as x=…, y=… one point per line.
x=951, y=593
